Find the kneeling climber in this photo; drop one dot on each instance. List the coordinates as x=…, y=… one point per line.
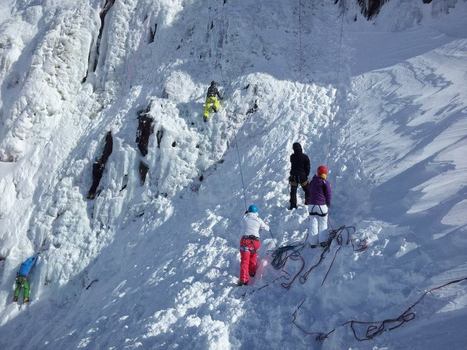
x=250, y=244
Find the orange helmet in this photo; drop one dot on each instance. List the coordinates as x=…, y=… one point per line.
x=322, y=171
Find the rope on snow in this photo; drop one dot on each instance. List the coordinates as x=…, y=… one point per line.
x=342, y=236
x=374, y=328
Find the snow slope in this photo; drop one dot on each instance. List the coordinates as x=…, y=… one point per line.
x=153, y=265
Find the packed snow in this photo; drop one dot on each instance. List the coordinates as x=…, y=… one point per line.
x=152, y=262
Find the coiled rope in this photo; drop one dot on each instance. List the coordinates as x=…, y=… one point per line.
x=342, y=236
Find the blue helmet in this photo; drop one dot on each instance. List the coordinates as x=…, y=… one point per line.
x=252, y=209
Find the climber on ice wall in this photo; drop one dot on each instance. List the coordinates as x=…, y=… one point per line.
x=212, y=103
x=22, y=275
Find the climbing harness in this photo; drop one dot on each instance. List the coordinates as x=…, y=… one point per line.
x=245, y=241
x=295, y=181
x=315, y=213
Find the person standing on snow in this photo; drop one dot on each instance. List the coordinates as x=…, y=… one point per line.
x=318, y=194
x=300, y=169
x=212, y=101
x=22, y=282
x=250, y=244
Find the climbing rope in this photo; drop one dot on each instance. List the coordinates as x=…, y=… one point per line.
x=320, y=336
x=339, y=55
x=304, y=277
x=248, y=293
x=336, y=235
x=281, y=254
x=218, y=64
x=342, y=236
x=293, y=251
x=339, y=64
x=222, y=32
x=357, y=246
x=300, y=49
x=374, y=328
x=241, y=171
x=272, y=236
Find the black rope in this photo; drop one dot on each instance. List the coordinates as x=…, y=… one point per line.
x=338, y=236
x=342, y=235
x=330, y=266
x=304, y=278
x=267, y=284
x=374, y=328
x=289, y=284
x=319, y=336
x=281, y=254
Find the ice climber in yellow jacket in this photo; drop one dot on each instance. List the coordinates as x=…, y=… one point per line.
x=212, y=103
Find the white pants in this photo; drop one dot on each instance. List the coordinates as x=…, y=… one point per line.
x=318, y=228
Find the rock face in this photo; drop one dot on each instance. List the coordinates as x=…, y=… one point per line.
x=370, y=8
x=98, y=166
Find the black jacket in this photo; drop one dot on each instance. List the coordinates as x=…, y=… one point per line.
x=213, y=91
x=300, y=162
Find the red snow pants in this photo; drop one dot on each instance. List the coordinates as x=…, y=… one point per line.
x=249, y=245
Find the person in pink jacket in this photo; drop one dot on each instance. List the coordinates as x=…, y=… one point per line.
x=250, y=244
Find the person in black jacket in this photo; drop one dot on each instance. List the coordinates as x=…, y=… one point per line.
x=298, y=173
x=212, y=101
